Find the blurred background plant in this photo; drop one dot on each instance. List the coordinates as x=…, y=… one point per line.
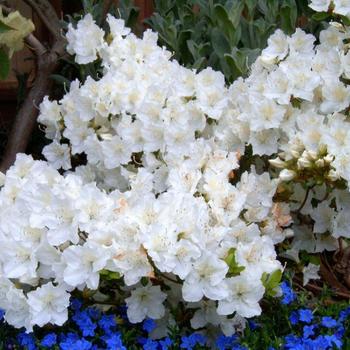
x=226, y=35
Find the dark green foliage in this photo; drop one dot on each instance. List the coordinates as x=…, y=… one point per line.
x=4, y=64
x=227, y=35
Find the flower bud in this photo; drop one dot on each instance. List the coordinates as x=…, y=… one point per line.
x=295, y=153
x=296, y=149
x=312, y=155
x=106, y=136
x=287, y=175
x=328, y=158
x=320, y=163
x=278, y=163
x=333, y=175
x=322, y=149
x=303, y=163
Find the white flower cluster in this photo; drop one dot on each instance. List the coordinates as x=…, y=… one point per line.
x=295, y=103
x=156, y=199
x=161, y=197
x=341, y=7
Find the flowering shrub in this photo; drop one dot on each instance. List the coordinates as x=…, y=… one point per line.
x=167, y=212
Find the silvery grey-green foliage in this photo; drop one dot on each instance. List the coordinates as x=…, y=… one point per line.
x=227, y=35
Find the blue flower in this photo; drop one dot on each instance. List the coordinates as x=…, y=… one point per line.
x=294, y=318
x=107, y=322
x=339, y=332
x=114, y=341
x=253, y=325
x=333, y=340
x=80, y=344
x=84, y=322
x=308, y=331
x=305, y=315
x=49, y=340
x=93, y=313
x=288, y=294
x=2, y=313
x=149, y=325
x=191, y=341
x=223, y=342
x=344, y=314
x=27, y=341
x=150, y=345
x=76, y=304
x=165, y=343
x=328, y=322
x=239, y=347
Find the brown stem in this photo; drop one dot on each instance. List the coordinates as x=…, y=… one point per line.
x=47, y=62
x=304, y=201
x=5, y=7
x=316, y=289
x=34, y=44
x=48, y=16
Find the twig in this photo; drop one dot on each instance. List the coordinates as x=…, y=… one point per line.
x=47, y=62
x=5, y=7
x=35, y=45
x=314, y=288
x=304, y=201
x=47, y=14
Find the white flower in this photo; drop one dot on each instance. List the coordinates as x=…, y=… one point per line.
x=18, y=259
x=48, y=304
x=323, y=216
x=85, y=40
x=245, y=293
x=58, y=155
x=268, y=115
x=310, y=272
x=206, y=279
x=320, y=5
x=336, y=97
x=117, y=26
x=83, y=264
x=287, y=175
x=342, y=7
x=145, y=302
x=277, y=47
x=265, y=141
x=301, y=42
x=341, y=224
x=17, y=309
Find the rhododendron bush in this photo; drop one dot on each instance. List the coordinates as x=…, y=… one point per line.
x=149, y=183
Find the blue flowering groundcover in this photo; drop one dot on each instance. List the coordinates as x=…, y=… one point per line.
x=286, y=324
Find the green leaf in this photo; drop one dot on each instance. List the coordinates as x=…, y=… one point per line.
x=235, y=13
x=320, y=16
x=288, y=15
x=224, y=24
x=4, y=65
x=251, y=5
x=219, y=42
x=4, y=27
x=234, y=268
x=271, y=282
x=345, y=20
x=110, y=275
